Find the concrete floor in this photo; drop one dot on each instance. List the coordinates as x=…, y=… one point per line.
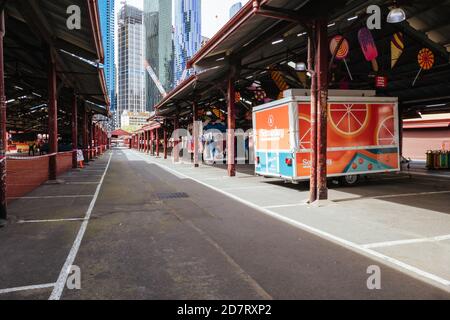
x=155, y=233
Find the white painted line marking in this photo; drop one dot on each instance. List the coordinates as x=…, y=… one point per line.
x=246, y=188
x=287, y=205
x=81, y=183
x=346, y=243
x=55, y=197
x=407, y=194
x=428, y=174
x=62, y=279
x=26, y=288
x=406, y=242
x=50, y=220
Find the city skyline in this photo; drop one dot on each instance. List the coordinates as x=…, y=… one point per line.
x=131, y=80
x=159, y=47
x=215, y=13
x=107, y=25
x=188, y=35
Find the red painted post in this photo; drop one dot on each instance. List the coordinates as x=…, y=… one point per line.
x=322, y=109
x=52, y=117
x=176, y=152
x=165, y=143
x=94, y=139
x=152, y=144
x=195, y=133
x=311, y=65
x=157, y=141
x=74, y=131
x=3, y=133
x=231, y=126
x=90, y=138
x=85, y=135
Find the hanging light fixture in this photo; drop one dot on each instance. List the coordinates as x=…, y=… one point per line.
x=396, y=15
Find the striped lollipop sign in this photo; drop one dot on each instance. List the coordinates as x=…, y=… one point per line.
x=344, y=47
x=340, y=48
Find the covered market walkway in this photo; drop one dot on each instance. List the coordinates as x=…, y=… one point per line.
x=139, y=227
x=53, y=97
x=256, y=56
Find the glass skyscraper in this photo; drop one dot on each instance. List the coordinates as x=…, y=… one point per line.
x=159, y=46
x=235, y=9
x=107, y=25
x=131, y=74
x=187, y=38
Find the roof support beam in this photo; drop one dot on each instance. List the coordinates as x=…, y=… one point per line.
x=3, y=138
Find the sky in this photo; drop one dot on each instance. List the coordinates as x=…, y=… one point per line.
x=215, y=13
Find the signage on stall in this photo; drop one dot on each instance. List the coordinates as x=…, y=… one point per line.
x=381, y=82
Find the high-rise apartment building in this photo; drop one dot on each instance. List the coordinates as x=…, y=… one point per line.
x=159, y=46
x=235, y=9
x=107, y=25
x=188, y=37
x=131, y=95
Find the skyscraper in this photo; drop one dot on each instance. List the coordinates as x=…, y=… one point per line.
x=131, y=75
x=159, y=47
x=107, y=25
x=188, y=37
x=235, y=8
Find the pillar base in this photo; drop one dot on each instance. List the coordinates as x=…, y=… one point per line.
x=54, y=182
x=322, y=203
x=3, y=223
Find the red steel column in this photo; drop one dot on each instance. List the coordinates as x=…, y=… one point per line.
x=165, y=142
x=145, y=141
x=157, y=141
x=195, y=133
x=3, y=133
x=322, y=108
x=52, y=117
x=74, y=131
x=231, y=127
x=85, y=135
x=90, y=137
x=94, y=138
x=311, y=64
x=152, y=144
x=176, y=152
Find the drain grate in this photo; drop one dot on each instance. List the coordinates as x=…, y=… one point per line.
x=172, y=195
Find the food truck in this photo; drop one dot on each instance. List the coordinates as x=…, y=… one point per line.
x=363, y=136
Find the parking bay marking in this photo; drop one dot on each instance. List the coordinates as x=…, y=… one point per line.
x=343, y=242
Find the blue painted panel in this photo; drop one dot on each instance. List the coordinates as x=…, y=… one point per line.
x=285, y=170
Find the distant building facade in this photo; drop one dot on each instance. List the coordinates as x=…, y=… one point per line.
x=159, y=47
x=134, y=119
x=235, y=9
x=204, y=40
x=187, y=38
x=131, y=75
x=107, y=25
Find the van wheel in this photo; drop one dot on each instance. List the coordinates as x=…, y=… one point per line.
x=349, y=181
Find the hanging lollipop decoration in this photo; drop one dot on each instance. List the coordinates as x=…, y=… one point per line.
x=340, y=48
x=368, y=47
x=425, y=58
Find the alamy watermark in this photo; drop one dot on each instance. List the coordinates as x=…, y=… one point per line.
x=374, y=280
x=73, y=22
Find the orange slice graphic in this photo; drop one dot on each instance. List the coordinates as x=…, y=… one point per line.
x=386, y=132
x=348, y=119
x=305, y=133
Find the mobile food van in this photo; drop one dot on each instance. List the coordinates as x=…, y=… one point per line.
x=363, y=136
